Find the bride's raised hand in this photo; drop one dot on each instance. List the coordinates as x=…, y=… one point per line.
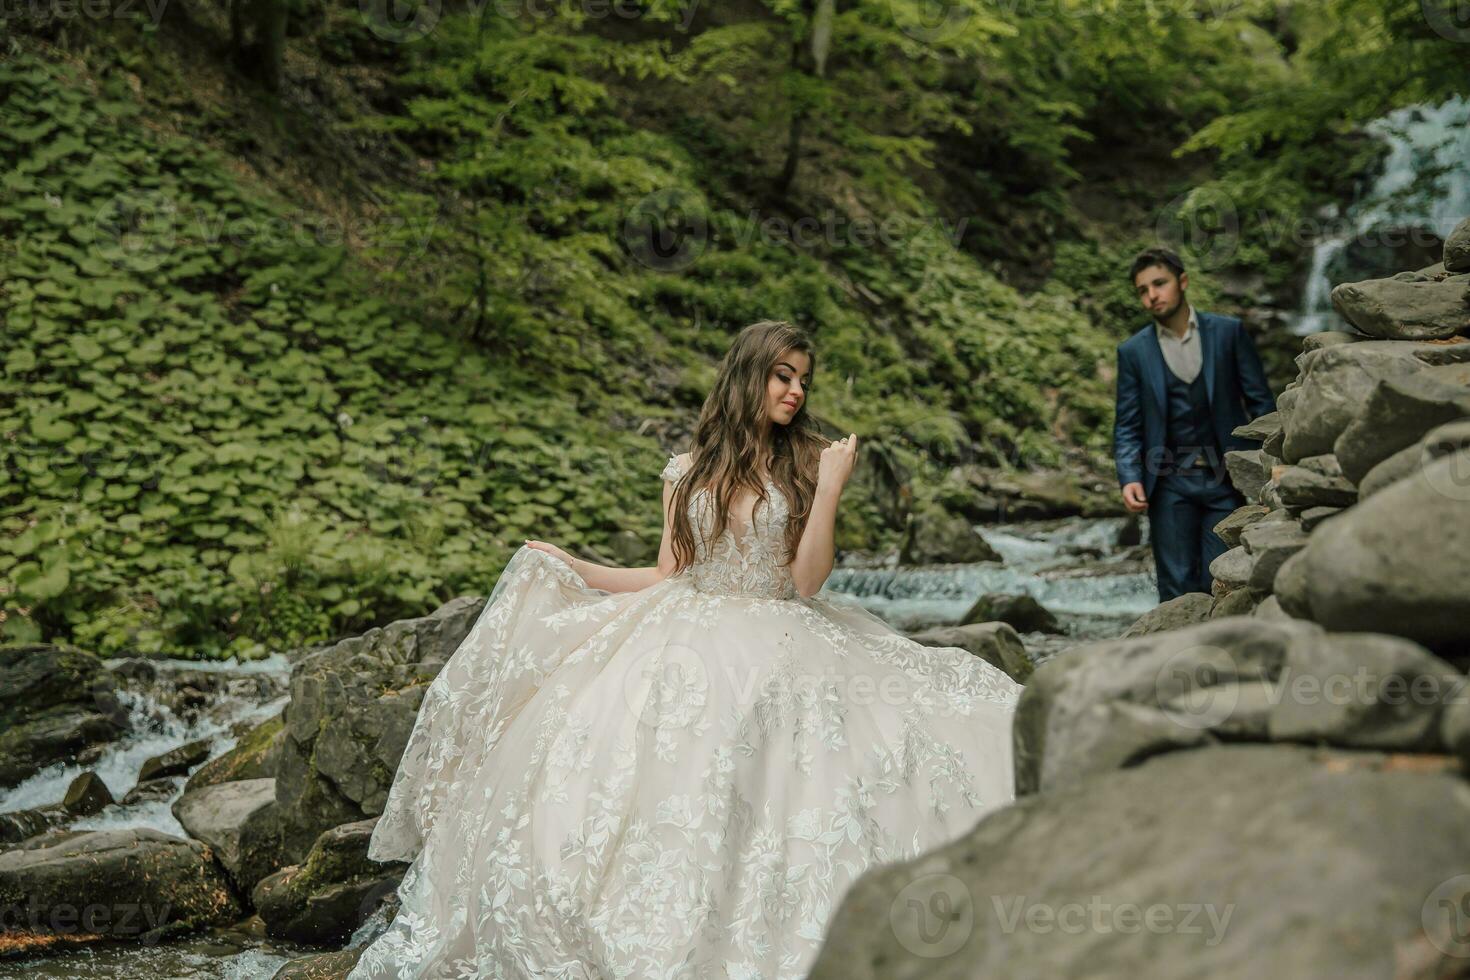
x=550, y=549
x=837, y=462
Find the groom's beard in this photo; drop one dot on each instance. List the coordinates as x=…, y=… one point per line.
x=1163, y=317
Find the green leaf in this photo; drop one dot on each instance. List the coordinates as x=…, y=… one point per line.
x=37, y=583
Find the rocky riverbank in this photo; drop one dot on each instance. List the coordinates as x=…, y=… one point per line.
x=1271, y=776
x=265, y=842
x=1269, y=780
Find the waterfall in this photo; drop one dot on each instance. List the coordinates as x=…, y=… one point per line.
x=1421, y=140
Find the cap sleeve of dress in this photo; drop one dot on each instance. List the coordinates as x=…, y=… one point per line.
x=674, y=469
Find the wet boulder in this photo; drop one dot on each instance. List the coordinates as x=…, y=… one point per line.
x=330, y=894
x=1177, y=613
x=353, y=706
x=236, y=820
x=1018, y=610
x=249, y=759
x=175, y=762
x=138, y=884
x=936, y=537
x=87, y=794
x=57, y=702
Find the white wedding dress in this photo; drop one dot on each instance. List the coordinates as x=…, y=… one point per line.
x=679, y=782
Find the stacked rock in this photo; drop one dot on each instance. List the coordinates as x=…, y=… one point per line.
x=1358, y=498
x=1266, y=781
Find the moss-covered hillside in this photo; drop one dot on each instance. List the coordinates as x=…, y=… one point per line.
x=306, y=331
x=221, y=432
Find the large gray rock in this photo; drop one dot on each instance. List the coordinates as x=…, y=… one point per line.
x=1261, y=428
x=1440, y=441
x=1106, y=705
x=996, y=643
x=1336, y=382
x=1396, y=310
x=1230, y=861
x=1229, y=529
x=1397, y=563
x=1232, y=570
x=1018, y=609
x=1249, y=469
x=57, y=702
x=1457, y=248
x=1269, y=545
x=137, y=884
x=1399, y=412
x=332, y=892
x=935, y=537
x=1177, y=613
x=235, y=819
x=1315, y=481
x=353, y=706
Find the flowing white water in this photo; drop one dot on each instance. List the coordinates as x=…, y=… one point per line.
x=156, y=728
x=1074, y=567
x=1421, y=140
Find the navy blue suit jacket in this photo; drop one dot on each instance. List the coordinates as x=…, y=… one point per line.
x=1234, y=380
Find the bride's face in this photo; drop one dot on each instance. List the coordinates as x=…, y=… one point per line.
x=786, y=386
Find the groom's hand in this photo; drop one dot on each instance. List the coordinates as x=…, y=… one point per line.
x=1134, y=499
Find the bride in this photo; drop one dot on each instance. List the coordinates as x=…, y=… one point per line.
x=677, y=771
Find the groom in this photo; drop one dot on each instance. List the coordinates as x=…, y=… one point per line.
x=1185, y=381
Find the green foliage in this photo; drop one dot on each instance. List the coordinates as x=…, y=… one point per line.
x=224, y=433
x=1291, y=145
x=216, y=438
x=224, y=438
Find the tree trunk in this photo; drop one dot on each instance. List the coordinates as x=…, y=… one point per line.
x=271, y=30
x=258, y=37
x=808, y=56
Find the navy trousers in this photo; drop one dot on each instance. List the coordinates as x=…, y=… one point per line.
x=1182, y=513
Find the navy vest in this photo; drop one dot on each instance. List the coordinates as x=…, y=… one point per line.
x=1190, y=427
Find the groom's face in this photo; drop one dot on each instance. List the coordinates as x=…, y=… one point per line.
x=1159, y=290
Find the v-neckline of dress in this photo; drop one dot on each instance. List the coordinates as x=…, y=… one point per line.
x=747, y=526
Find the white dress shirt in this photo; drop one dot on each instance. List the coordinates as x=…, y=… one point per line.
x=1182, y=354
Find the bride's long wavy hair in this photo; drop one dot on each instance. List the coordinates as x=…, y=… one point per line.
x=725, y=455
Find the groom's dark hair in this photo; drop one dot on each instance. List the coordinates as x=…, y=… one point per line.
x=1156, y=256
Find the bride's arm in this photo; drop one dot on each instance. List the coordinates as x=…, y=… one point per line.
x=816, y=550
x=613, y=579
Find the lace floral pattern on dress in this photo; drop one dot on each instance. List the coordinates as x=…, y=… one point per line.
x=680, y=782
x=749, y=565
